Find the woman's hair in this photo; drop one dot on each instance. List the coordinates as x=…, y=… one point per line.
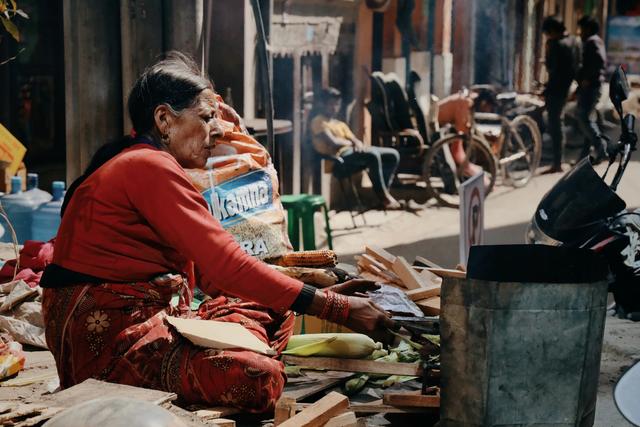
x=174, y=80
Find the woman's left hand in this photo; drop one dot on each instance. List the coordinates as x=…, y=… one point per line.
x=355, y=287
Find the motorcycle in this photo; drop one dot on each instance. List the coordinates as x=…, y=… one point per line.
x=582, y=210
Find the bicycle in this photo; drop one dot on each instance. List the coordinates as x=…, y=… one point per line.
x=514, y=150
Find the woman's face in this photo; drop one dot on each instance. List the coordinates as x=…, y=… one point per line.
x=193, y=132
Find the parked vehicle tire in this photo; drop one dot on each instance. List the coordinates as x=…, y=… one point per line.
x=522, y=151
x=443, y=176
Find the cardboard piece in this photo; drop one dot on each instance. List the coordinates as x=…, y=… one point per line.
x=219, y=335
x=11, y=150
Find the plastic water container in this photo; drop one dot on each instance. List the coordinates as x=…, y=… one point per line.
x=46, y=219
x=19, y=208
x=33, y=190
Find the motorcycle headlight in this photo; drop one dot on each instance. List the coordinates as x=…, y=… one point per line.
x=535, y=235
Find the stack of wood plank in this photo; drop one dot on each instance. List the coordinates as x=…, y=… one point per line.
x=421, y=283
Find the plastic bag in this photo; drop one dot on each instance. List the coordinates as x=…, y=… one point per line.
x=242, y=190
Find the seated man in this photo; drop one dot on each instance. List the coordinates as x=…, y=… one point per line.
x=332, y=137
x=457, y=110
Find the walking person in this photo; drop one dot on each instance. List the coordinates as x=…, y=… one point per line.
x=590, y=78
x=562, y=63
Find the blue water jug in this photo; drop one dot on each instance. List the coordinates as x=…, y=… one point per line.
x=38, y=195
x=46, y=219
x=19, y=208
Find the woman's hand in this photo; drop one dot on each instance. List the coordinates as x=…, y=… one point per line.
x=367, y=318
x=354, y=287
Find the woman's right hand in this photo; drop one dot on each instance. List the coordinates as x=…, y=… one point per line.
x=368, y=318
x=365, y=317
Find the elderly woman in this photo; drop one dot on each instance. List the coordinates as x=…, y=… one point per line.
x=135, y=231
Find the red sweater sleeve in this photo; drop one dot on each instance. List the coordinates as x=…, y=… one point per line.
x=163, y=194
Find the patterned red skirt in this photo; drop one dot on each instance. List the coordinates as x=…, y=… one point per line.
x=118, y=333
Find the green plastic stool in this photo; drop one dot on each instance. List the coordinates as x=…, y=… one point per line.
x=312, y=204
x=294, y=204
x=301, y=207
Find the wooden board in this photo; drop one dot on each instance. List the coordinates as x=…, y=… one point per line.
x=430, y=277
x=355, y=365
x=215, y=412
x=410, y=278
x=220, y=335
x=380, y=255
x=348, y=419
x=318, y=382
x=93, y=389
x=222, y=422
x=376, y=407
x=426, y=262
x=446, y=272
x=410, y=399
x=319, y=413
x=424, y=293
x=430, y=307
x=285, y=409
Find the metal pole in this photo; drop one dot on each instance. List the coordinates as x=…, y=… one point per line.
x=265, y=73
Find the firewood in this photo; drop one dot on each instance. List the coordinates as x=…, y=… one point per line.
x=424, y=293
x=410, y=278
x=381, y=255
x=316, y=415
x=430, y=307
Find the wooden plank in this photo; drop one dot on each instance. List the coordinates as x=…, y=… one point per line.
x=285, y=409
x=324, y=381
x=222, y=422
x=430, y=277
x=410, y=278
x=348, y=419
x=381, y=255
x=319, y=413
x=355, y=365
x=424, y=293
x=215, y=412
x=410, y=399
x=447, y=272
x=430, y=307
x=425, y=262
x=93, y=389
x=375, y=408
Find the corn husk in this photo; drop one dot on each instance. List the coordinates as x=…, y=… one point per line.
x=346, y=346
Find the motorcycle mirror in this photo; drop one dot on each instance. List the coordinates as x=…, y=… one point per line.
x=618, y=89
x=626, y=394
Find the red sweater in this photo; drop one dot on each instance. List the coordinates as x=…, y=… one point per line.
x=139, y=216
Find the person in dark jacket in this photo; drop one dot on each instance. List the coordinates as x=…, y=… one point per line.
x=562, y=62
x=590, y=78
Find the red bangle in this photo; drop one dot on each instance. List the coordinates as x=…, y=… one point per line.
x=336, y=308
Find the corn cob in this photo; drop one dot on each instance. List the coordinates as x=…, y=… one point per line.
x=319, y=258
x=346, y=346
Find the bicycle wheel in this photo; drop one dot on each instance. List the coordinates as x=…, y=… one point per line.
x=522, y=151
x=443, y=176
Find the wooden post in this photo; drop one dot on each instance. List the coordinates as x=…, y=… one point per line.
x=93, y=81
x=141, y=32
x=297, y=122
x=361, y=124
x=464, y=42
x=184, y=27
x=325, y=57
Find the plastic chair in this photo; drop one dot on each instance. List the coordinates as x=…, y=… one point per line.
x=301, y=207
